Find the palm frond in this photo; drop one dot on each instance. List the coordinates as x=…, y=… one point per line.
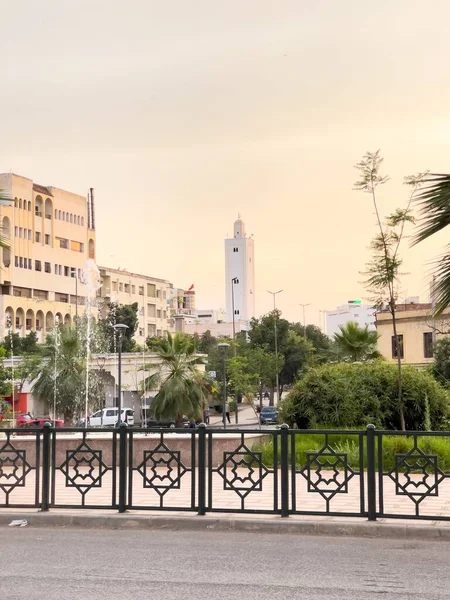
x=434, y=206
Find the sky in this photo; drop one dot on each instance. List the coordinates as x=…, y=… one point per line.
x=183, y=114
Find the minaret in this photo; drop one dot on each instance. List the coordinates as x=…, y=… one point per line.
x=240, y=266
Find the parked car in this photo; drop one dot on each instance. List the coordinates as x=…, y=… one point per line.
x=109, y=417
x=169, y=423
x=27, y=420
x=269, y=414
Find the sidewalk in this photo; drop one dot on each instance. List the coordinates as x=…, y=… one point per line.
x=246, y=418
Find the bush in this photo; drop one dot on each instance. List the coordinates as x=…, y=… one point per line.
x=354, y=395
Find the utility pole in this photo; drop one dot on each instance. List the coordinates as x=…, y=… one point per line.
x=304, y=318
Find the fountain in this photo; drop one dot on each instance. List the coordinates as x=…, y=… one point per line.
x=90, y=277
x=9, y=327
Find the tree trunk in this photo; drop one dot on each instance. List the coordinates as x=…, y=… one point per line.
x=401, y=408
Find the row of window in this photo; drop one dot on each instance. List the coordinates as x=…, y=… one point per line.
x=61, y=215
x=400, y=346
x=129, y=288
x=27, y=263
x=27, y=234
x=25, y=204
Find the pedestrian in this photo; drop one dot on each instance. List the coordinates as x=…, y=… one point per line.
x=227, y=412
x=206, y=416
x=192, y=424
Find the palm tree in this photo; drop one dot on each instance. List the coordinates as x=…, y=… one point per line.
x=356, y=343
x=62, y=378
x=434, y=210
x=183, y=388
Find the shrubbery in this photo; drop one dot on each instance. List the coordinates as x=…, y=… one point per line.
x=354, y=395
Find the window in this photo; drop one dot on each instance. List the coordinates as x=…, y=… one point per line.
x=30, y=234
x=111, y=412
x=37, y=211
x=127, y=288
x=47, y=239
x=56, y=269
x=60, y=269
x=141, y=290
x=59, y=215
x=20, y=203
x=120, y=287
x=428, y=344
x=41, y=294
x=141, y=332
x=399, y=345
x=235, y=249
x=63, y=243
x=151, y=290
x=66, y=272
x=236, y=312
x=37, y=236
x=20, y=232
x=25, y=264
x=151, y=310
x=37, y=265
x=16, y=261
x=82, y=221
x=158, y=314
x=114, y=286
x=16, y=231
x=21, y=262
x=76, y=246
x=158, y=293
x=30, y=262
x=48, y=268
x=71, y=217
x=133, y=289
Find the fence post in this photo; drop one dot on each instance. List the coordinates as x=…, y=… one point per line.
x=122, y=467
x=202, y=469
x=46, y=466
x=371, y=474
x=284, y=471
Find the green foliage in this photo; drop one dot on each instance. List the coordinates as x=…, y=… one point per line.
x=434, y=207
x=355, y=343
x=63, y=368
x=126, y=314
x=353, y=395
x=18, y=345
x=183, y=389
x=441, y=365
x=349, y=445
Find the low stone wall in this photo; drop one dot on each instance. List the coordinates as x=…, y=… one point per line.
x=141, y=443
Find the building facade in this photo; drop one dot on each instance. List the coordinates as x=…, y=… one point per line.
x=417, y=332
x=352, y=311
x=51, y=237
x=240, y=276
x=156, y=299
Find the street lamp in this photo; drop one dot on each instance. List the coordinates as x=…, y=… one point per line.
x=233, y=282
x=74, y=273
x=304, y=318
x=274, y=294
x=120, y=329
x=224, y=347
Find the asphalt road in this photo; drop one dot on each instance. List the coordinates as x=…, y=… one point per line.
x=49, y=564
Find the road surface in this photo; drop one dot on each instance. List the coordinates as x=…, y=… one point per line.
x=69, y=564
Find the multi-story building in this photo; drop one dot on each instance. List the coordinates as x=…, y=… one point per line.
x=51, y=236
x=354, y=311
x=417, y=332
x=155, y=299
x=240, y=276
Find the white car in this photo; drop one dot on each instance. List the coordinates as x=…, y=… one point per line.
x=108, y=417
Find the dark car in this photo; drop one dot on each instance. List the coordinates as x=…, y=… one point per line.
x=269, y=414
x=170, y=423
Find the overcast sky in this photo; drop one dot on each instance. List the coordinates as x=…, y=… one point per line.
x=183, y=113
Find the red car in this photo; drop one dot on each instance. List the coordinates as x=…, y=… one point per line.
x=26, y=420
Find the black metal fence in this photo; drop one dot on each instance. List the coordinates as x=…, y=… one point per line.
x=368, y=473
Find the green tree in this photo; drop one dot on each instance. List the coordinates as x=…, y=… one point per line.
x=441, y=365
x=354, y=395
x=383, y=269
x=263, y=367
x=62, y=374
x=298, y=354
x=356, y=343
x=262, y=332
x=126, y=314
x=21, y=345
x=434, y=210
x=183, y=388
x=318, y=339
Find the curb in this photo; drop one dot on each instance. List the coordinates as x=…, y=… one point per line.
x=226, y=523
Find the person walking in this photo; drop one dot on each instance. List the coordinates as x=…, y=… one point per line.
x=227, y=412
x=206, y=416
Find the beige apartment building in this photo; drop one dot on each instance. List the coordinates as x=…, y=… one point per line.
x=51, y=234
x=417, y=331
x=155, y=299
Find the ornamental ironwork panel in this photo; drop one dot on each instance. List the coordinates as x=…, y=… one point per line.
x=14, y=469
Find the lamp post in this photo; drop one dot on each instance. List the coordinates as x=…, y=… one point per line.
x=74, y=273
x=304, y=318
x=233, y=282
x=119, y=328
x=274, y=294
x=224, y=347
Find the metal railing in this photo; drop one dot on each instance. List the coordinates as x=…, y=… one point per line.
x=283, y=471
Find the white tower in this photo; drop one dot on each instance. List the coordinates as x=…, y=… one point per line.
x=240, y=267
